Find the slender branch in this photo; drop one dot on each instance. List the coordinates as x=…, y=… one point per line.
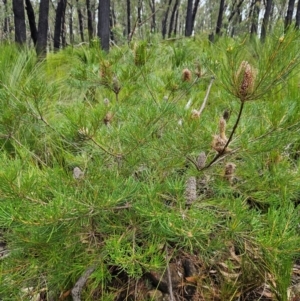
x=229, y=139
x=76, y=290
x=198, y=113
x=169, y=276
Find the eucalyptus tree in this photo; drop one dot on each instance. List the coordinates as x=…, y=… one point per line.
x=104, y=24
x=289, y=14
x=59, y=23
x=41, y=43
x=297, y=25
x=19, y=19
x=266, y=18
x=31, y=20
x=220, y=17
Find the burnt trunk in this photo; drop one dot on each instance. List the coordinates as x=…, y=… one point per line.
x=90, y=19
x=289, y=15
x=128, y=18
x=41, y=45
x=59, y=23
x=165, y=20
x=80, y=21
x=153, y=20
x=220, y=17
x=266, y=20
x=195, y=9
x=31, y=20
x=297, y=25
x=254, y=18
x=172, y=19
x=19, y=18
x=188, y=19
x=103, y=24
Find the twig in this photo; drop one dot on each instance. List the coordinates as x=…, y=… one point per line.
x=76, y=290
x=229, y=139
x=169, y=276
x=198, y=113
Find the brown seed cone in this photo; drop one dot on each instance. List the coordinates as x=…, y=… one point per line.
x=186, y=75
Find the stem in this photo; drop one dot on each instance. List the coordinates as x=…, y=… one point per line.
x=206, y=96
x=230, y=137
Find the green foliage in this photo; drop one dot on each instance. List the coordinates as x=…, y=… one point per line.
x=122, y=119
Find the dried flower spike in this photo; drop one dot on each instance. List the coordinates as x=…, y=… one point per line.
x=246, y=76
x=186, y=75
x=229, y=171
x=219, y=141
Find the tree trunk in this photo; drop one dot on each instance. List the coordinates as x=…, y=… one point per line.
x=90, y=19
x=19, y=18
x=195, y=9
x=128, y=19
x=266, y=20
x=103, y=24
x=289, y=15
x=80, y=21
x=254, y=18
x=139, y=11
x=172, y=20
x=165, y=20
x=297, y=25
x=31, y=21
x=188, y=19
x=220, y=17
x=6, y=25
x=59, y=23
x=41, y=45
x=153, y=20
x=176, y=22
x=71, y=24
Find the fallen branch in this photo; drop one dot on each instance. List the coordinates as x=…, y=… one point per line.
x=77, y=289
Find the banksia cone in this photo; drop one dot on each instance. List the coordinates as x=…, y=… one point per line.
x=191, y=190
x=229, y=172
x=219, y=141
x=186, y=75
x=83, y=134
x=108, y=118
x=245, y=79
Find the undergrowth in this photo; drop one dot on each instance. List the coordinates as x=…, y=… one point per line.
x=97, y=150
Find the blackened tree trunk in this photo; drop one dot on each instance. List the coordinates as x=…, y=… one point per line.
x=172, y=19
x=254, y=18
x=80, y=21
x=19, y=18
x=266, y=18
x=90, y=19
x=31, y=21
x=103, y=24
x=289, y=15
x=195, y=9
x=41, y=44
x=128, y=18
x=297, y=25
x=153, y=19
x=165, y=20
x=189, y=19
x=220, y=17
x=59, y=23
